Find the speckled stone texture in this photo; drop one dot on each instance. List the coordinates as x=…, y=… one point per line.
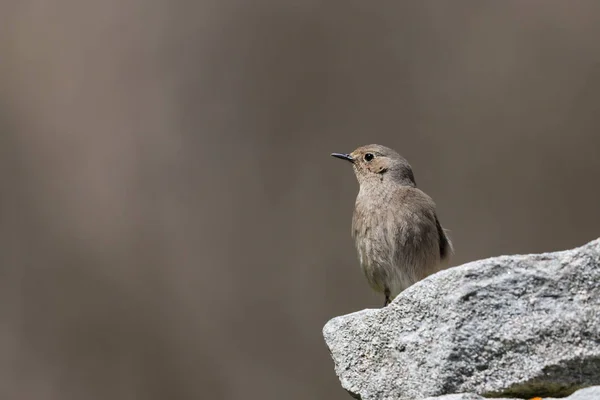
x=591, y=393
x=513, y=326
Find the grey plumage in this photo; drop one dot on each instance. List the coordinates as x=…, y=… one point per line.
x=398, y=236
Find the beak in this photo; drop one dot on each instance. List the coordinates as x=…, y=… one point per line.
x=346, y=157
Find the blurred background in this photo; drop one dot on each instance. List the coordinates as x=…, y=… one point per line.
x=171, y=223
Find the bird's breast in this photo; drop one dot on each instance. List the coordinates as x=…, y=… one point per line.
x=371, y=234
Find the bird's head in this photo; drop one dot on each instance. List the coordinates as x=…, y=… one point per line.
x=374, y=163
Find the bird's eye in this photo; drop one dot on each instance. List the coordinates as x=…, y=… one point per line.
x=369, y=157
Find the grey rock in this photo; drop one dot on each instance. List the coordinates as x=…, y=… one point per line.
x=591, y=393
x=462, y=396
x=511, y=326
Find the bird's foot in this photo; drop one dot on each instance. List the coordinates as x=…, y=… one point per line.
x=387, y=297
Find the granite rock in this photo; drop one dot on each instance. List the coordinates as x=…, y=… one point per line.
x=591, y=393
x=511, y=326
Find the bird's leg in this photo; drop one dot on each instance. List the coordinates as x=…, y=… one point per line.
x=387, y=297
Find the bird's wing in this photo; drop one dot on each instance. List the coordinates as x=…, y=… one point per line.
x=445, y=243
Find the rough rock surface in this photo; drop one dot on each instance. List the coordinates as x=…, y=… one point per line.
x=591, y=393
x=511, y=326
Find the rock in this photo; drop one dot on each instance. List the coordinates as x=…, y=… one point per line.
x=463, y=396
x=591, y=393
x=511, y=326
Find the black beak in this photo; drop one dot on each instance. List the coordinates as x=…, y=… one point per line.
x=346, y=157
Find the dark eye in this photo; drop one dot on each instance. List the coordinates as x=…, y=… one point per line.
x=369, y=157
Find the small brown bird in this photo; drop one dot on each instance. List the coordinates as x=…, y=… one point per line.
x=398, y=236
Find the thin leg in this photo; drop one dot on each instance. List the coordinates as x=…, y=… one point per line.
x=387, y=297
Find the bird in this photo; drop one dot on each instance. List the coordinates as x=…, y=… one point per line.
x=395, y=227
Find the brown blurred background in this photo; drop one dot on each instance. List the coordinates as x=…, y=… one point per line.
x=171, y=223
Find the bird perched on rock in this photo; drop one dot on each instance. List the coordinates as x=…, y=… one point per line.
x=398, y=236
